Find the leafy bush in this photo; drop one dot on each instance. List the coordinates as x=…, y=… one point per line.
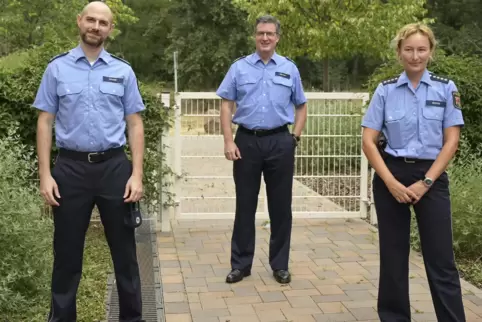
x=19, y=85
x=25, y=235
x=465, y=71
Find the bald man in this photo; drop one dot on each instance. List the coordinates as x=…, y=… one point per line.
x=92, y=96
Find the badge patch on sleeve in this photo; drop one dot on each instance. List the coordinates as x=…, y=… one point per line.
x=113, y=79
x=282, y=75
x=456, y=99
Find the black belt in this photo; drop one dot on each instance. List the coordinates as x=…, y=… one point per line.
x=261, y=132
x=408, y=160
x=91, y=157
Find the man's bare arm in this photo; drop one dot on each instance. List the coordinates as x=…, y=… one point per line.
x=45, y=123
x=300, y=119
x=135, y=128
x=226, y=119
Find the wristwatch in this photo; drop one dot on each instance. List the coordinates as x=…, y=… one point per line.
x=427, y=182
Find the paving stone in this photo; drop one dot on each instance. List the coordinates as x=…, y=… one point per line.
x=334, y=266
x=176, y=308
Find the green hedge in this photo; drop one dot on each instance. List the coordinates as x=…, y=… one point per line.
x=25, y=235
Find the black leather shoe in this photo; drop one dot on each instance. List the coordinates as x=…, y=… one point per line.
x=282, y=276
x=237, y=275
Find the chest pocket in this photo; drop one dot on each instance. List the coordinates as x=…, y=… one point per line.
x=434, y=110
x=246, y=87
x=115, y=89
x=396, y=128
x=110, y=103
x=282, y=88
x=433, y=114
x=71, y=104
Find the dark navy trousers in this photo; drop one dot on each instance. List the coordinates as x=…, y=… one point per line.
x=273, y=156
x=434, y=221
x=81, y=186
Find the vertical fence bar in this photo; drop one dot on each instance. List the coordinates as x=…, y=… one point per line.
x=177, y=155
x=165, y=146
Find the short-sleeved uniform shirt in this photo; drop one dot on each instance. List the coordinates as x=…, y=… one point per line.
x=89, y=101
x=413, y=119
x=265, y=94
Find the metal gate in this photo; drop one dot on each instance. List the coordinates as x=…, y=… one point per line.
x=331, y=171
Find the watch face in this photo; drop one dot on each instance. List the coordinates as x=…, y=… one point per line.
x=428, y=181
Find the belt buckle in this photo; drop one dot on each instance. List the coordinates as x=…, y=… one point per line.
x=91, y=154
x=408, y=161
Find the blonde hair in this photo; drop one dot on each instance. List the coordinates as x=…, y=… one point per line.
x=413, y=28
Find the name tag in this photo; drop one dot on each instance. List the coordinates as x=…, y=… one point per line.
x=282, y=75
x=436, y=103
x=113, y=80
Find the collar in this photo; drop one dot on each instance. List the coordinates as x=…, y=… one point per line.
x=275, y=58
x=78, y=53
x=403, y=79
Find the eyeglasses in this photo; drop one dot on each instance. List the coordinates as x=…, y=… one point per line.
x=268, y=34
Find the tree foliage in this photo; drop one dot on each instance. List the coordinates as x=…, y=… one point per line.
x=24, y=24
x=337, y=29
x=208, y=35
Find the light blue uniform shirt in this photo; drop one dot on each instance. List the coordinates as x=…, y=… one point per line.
x=89, y=102
x=265, y=95
x=413, y=119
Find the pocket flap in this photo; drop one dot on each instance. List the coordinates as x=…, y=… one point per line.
x=112, y=88
x=68, y=89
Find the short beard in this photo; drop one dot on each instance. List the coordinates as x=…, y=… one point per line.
x=95, y=44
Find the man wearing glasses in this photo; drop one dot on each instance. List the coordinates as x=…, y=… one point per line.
x=268, y=94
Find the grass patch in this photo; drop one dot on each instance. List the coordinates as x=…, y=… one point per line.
x=93, y=285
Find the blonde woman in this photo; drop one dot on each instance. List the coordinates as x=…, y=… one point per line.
x=419, y=113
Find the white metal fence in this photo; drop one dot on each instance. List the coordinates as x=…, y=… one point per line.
x=331, y=175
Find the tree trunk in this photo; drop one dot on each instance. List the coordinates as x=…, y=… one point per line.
x=326, y=75
x=355, y=71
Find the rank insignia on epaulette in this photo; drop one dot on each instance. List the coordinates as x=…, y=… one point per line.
x=291, y=60
x=238, y=58
x=390, y=81
x=58, y=56
x=456, y=100
x=437, y=78
x=121, y=59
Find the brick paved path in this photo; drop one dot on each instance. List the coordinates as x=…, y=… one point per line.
x=334, y=266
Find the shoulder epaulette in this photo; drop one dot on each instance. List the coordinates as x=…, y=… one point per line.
x=58, y=56
x=390, y=81
x=291, y=60
x=238, y=58
x=122, y=60
x=441, y=79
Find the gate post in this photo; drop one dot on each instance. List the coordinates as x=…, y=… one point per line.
x=364, y=172
x=177, y=155
x=166, y=146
